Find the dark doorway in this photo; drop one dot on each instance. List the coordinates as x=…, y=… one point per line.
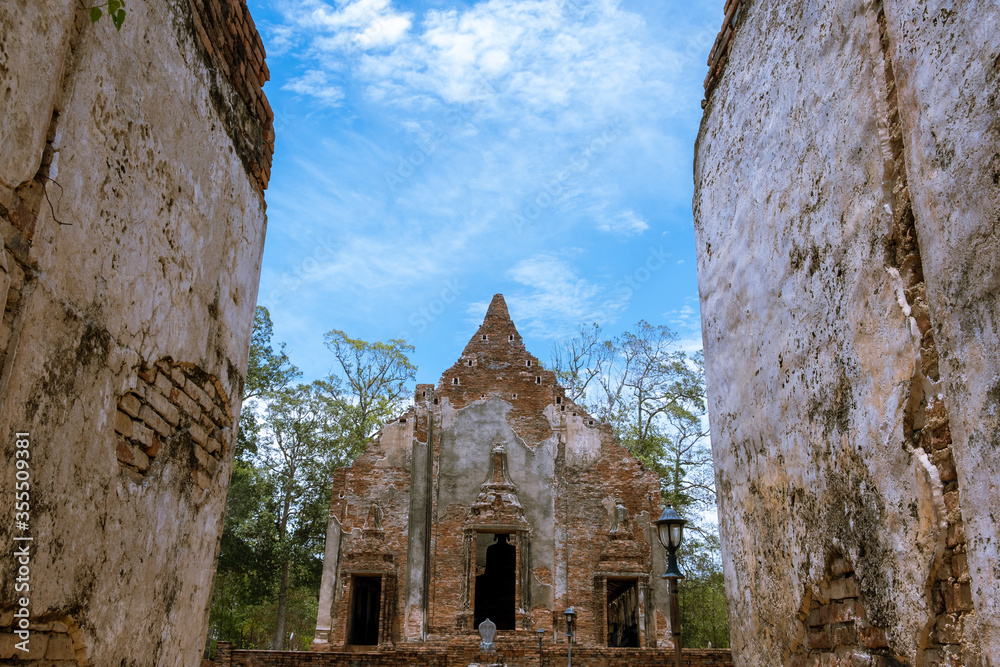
x=623, y=612
x=495, y=589
x=365, y=597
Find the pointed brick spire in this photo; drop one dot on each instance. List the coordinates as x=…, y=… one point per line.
x=495, y=350
x=497, y=335
x=497, y=310
x=495, y=363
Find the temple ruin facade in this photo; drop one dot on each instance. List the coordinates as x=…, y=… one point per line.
x=493, y=497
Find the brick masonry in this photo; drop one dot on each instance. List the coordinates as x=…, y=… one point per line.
x=719, y=55
x=231, y=43
x=55, y=641
x=175, y=408
x=837, y=630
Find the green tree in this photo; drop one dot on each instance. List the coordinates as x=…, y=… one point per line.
x=375, y=376
x=704, y=613
x=292, y=438
x=301, y=445
x=653, y=395
x=248, y=555
x=267, y=370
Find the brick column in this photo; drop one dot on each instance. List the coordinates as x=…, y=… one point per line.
x=223, y=654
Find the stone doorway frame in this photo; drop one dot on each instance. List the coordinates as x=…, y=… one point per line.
x=385, y=607
x=647, y=632
x=519, y=538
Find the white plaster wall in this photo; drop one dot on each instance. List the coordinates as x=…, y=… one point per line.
x=809, y=355
x=396, y=441
x=583, y=443
x=158, y=255
x=33, y=48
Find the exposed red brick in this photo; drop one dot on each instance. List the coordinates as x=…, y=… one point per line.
x=465, y=652
x=719, y=54
x=229, y=36
x=166, y=408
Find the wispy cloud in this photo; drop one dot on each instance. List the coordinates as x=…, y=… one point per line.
x=626, y=223
x=317, y=84
x=554, y=298
x=470, y=142
x=686, y=322
x=521, y=57
x=357, y=24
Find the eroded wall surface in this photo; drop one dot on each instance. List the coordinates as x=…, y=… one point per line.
x=948, y=64
x=846, y=209
x=132, y=216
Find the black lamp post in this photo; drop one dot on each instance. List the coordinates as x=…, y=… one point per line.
x=670, y=530
x=570, y=620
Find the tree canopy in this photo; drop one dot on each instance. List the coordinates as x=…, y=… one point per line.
x=654, y=397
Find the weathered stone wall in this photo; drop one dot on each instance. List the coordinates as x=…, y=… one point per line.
x=462, y=653
x=846, y=208
x=948, y=75
x=132, y=219
x=427, y=472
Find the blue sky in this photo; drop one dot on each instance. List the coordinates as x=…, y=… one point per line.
x=431, y=154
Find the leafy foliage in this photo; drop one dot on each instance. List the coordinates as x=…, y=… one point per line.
x=654, y=397
x=299, y=447
x=115, y=8
x=704, y=614
x=375, y=375
x=267, y=370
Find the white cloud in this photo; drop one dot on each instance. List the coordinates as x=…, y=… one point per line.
x=626, y=223
x=513, y=58
x=384, y=31
x=316, y=83
x=366, y=24
x=686, y=321
x=526, y=56
x=281, y=38
x=472, y=114
x=686, y=317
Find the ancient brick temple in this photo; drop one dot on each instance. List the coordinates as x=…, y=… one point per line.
x=497, y=497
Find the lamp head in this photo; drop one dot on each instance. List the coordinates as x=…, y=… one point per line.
x=670, y=528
